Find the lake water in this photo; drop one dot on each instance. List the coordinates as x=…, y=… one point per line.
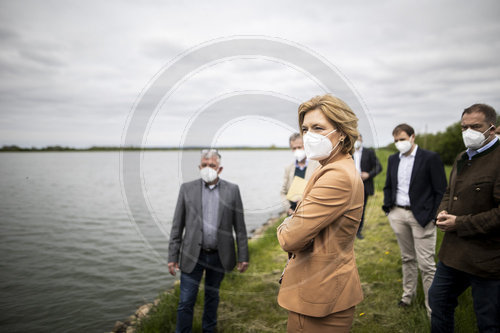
x=74, y=255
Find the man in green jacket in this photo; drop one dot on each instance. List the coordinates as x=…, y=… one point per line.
x=469, y=215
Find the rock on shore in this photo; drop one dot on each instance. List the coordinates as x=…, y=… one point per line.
x=128, y=326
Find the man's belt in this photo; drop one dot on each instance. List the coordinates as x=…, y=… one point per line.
x=209, y=250
x=404, y=207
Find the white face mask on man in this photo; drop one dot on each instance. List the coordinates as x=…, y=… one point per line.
x=474, y=139
x=357, y=144
x=299, y=154
x=403, y=146
x=208, y=174
x=317, y=146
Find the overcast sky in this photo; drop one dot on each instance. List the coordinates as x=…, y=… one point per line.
x=72, y=72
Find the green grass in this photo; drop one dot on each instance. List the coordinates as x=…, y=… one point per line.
x=248, y=300
x=379, y=265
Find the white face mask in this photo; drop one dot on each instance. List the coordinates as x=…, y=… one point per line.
x=317, y=146
x=208, y=174
x=474, y=139
x=403, y=146
x=357, y=145
x=299, y=154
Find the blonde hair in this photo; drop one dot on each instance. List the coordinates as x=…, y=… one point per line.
x=338, y=113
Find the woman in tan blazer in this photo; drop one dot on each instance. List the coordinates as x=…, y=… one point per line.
x=320, y=285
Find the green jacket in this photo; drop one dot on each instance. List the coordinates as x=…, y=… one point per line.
x=473, y=195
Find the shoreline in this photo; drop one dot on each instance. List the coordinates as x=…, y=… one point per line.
x=129, y=325
x=16, y=149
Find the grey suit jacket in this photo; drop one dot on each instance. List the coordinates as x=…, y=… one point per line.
x=187, y=227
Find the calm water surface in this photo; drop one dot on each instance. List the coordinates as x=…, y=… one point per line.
x=72, y=259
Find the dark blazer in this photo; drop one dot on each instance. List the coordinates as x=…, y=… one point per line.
x=187, y=227
x=369, y=163
x=427, y=185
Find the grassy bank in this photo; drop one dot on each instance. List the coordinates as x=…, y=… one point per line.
x=248, y=301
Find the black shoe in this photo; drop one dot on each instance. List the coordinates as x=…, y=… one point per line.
x=360, y=236
x=402, y=304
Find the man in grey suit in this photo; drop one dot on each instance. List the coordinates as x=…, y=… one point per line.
x=201, y=239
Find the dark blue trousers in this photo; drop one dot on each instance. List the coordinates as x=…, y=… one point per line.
x=190, y=282
x=450, y=283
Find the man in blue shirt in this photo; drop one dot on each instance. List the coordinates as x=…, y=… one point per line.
x=469, y=215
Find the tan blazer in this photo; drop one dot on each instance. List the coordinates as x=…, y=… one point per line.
x=312, y=165
x=321, y=277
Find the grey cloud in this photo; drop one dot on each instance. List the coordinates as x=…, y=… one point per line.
x=85, y=67
x=7, y=34
x=43, y=57
x=163, y=49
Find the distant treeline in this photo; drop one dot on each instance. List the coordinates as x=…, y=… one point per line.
x=447, y=144
x=48, y=148
x=14, y=148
